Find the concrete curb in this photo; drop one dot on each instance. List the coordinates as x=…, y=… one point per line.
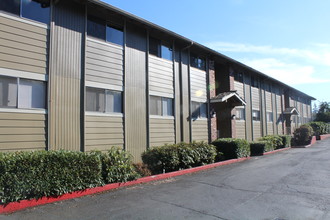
x=313, y=141
x=275, y=151
x=23, y=204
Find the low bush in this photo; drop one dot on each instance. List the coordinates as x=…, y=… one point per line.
x=142, y=169
x=232, y=148
x=302, y=135
x=26, y=175
x=174, y=157
x=286, y=140
x=275, y=140
x=260, y=147
x=319, y=127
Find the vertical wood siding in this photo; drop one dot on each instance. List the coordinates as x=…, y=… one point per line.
x=23, y=46
x=200, y=130
x=104, y=63
x=160, y=77
x=240, y=88
x=67, y=30
x=279, y=112
x=255, y=98
x=22, y=131
x=185, y=97
x=269, y=108
x=248, y=113
x=198, y=85
x=161, y=131
x=135, y=92
x=103, y=132
x=177, y=104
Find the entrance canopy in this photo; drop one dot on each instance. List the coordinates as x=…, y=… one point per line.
x=291, y=111
x=230, y=97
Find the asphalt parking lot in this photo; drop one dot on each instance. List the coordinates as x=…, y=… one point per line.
x=293, y=184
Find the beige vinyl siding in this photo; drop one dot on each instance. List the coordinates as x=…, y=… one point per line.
x=102, y=132
x=186, y=122
x=160, y=77
x=104, y=63
x=248, y=109
x=161, y=131
x=256, y=130
x=255, y=98
x=240, y=129
x=199, y=130
x=269, y=101
x=22, y=131
x=270, y=128
x=240, y=88
x=198, y=86
x=279, y=112
x=23, y=46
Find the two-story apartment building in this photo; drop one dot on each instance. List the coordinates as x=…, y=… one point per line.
x=82, y=75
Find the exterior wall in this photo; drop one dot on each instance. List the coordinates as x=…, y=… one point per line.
x=198, y=91
x=256, y=125
x=212, y=92
x=240, y=124
x=161, y=131
x=23, y=45
x=185, y=98
x=269, y=108
x=248, y=107
x=68, y=28
x=22, y=131
x=103, y=132
x=279, y=111
x=177, y=99
x=24, y=54
x=135, y=92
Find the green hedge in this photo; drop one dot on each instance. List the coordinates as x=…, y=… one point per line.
x=275, y=140
x=303, y=135
x=174, y=157
x=286, y=140
x=319, y=127
x=260, y=147
x=232, y=148
x=26, y=175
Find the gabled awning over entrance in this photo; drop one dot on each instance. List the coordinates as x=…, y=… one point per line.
x=291, y=111
x=231, y=97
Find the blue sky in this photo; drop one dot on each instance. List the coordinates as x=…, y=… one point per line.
x=288, y=40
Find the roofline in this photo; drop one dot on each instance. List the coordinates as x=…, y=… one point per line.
x=213, y=52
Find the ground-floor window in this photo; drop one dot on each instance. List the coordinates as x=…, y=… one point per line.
x=255, y=115
x=269, y=116
x=240, y=114
x=103, y=100
x=161, y=106
x=198, y=110
x=22, y=93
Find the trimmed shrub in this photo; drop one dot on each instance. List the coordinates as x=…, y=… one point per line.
x=174, y=157
x=302, y=135
x=259, y=147
x=319, y=127
x=142, y=169
x=25, y=175
x=117, y=166
x=286, y=140
x=232, y=148
x=275, y=140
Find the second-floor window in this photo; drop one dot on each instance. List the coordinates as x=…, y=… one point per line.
x=198, y=110
x=197, y=62
x=32, y=9
x=161, y=106
x=103, y=100
x=160, y=48
x=98, y=28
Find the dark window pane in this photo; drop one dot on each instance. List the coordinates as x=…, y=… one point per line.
x=96, y=27
x=8, y=92
x=203, y=111
x=197, y=62
x=256, y=115
x=113, y=101
x=115, y=35
x=154, y=47
x=166, y=52
x=155, y=105
x=32, y=94
x=34, y=10
x=195, y=110
x=11, y=6
x=95, y=100
x=240, y=114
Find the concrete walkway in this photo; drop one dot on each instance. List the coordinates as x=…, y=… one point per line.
x=293, y=184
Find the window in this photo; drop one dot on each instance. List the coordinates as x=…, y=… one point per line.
x=255, y=115
x=269, y=116
x=197, y=62
x=98, y=28
x=103, y=100
x=160, y=49
x=198, y=110
x=161, y=106
x=254, y=82
x=268, y=87
x=240, y=114
x=238, y=77
x=22, y=93
x=38, y=10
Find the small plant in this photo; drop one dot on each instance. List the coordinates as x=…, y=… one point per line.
x=275, y=141
x=303, y=135
x=142, y=169
x=286, y=140
x=259, y=147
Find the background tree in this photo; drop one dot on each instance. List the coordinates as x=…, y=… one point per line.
x=323, y=113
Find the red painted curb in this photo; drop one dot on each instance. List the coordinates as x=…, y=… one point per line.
x=324, y=136
x=313, y=141
x=23, y=204
x=275, y=151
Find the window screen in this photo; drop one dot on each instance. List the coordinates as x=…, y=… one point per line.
x=167, y=106
x=155, y=105
x=115, y=35
x=95, y=100
x=113, y=101
x=202, y=112
x=31, y=94
x=256, y=115
x=240, y=114
x=269, y=116
x=8, y=92
x=166, y=52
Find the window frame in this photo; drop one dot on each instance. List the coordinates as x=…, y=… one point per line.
x=256, y=118
x=242, y=113
x=270, y=117
x=239, y=77
x=200, y=64
x=161, y=110
x=196, y=113
x=157, y=44
x=104, y=104
x=18, y=106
